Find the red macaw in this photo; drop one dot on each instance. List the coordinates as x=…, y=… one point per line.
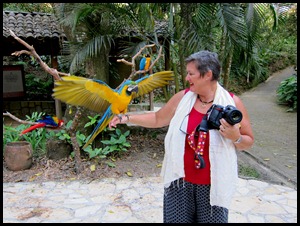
x=46, y=121
x=97, y=96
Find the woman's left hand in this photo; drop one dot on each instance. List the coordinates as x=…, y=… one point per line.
x=229, y=131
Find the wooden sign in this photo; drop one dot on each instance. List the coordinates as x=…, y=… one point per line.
x=13, y=81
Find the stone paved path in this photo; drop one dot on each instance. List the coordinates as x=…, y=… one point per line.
x=133, y=200
x=275, y=130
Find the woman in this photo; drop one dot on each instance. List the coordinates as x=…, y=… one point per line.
x=198, y=185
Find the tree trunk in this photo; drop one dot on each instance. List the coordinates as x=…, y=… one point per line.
x=227, y=68
x=222, y=50
x=182, y=64
x=75, y=145
x=98, y=66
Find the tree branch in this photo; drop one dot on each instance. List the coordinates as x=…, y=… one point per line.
x=33, y=53
x=19, y=120
x=132, y=63
x=56, y=76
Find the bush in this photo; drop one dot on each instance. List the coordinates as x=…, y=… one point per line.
x=287, y=92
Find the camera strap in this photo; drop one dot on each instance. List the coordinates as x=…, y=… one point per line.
x=197, y=140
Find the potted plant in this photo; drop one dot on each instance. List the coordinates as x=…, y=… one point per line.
x=17, y=152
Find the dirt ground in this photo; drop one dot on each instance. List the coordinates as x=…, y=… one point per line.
x=142, y=159
x=272, y=152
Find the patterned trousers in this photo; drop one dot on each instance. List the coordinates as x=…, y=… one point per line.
x=185, y=202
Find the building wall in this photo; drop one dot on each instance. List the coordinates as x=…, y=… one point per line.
x=22, y=108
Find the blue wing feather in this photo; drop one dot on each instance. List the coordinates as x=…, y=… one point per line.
x=48, y=120
x=142, y=63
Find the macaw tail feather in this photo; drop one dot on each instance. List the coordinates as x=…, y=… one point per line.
x=103, y=122
x=39, y=125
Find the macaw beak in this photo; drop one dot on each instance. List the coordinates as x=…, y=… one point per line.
x=60, y=123
x=133, y=89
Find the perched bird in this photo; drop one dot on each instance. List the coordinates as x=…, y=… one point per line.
x=144, y=64
x=97, y=96
x=46, y=121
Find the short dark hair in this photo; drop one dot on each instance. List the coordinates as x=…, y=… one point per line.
x=205, y=61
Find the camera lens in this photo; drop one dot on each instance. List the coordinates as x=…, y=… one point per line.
x=234, y=116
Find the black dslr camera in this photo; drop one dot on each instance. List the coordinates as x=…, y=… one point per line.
x=229, y=113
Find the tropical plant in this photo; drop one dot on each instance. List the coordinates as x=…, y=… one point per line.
x=11, y=134
x=63, y=134
x=35, y=116
x=232, y=30
x=91, y=28
x=37, y=138
x=117, y=144
x=287, y=92
x=93, y=120
x=28, y=7
x=36, y=87
x=94, y=152
x=279, y=49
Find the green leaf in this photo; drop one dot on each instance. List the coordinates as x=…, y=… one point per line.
x=105, y=141
x=113, y=140
x=126, y=144
x=126, y=133
x=118, y=132
x=62, y=137
x=110, y=164
x=69, y=124
x=122, y=139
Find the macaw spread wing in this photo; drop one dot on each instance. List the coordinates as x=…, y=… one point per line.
x=148, y=83
x=97, y=95
x=90, y=93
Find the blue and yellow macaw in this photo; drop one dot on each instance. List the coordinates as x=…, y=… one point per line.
x=144, y=64
x=97, y=96
x=46, y=121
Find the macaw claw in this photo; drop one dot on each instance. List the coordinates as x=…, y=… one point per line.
x=120, y=117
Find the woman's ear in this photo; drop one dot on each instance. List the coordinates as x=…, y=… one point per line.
x=208, y=75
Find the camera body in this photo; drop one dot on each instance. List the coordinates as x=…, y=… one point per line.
x=230, y=113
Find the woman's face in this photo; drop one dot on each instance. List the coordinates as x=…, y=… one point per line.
x=193, y=77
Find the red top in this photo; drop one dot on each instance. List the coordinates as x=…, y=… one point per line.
x=192, y=174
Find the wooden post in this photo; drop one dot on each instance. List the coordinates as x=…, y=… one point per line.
x=151, y=101
x=151, y=96
x=58, y=111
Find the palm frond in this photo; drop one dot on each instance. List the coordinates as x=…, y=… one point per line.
x=231, y=20
x=90, y=49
